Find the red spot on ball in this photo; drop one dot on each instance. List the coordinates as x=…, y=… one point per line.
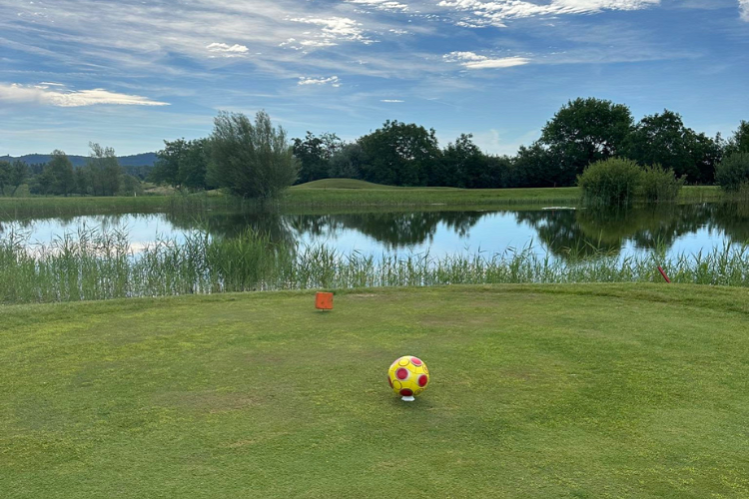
x=423, y=380
x=416, y=361
x=402, y=373
x=390, y=382
x=407, y=392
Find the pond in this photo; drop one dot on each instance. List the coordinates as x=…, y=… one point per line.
x=557, y=231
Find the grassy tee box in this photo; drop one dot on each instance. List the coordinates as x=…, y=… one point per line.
x=634, y=391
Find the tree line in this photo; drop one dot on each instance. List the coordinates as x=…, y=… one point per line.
x=255, y=159
x=582, y=132
x=102, y=175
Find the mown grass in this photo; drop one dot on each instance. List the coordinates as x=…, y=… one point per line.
x=330, y=193
x=587, y=391
x=338, y=192
x=342, y=183
x=348, y=192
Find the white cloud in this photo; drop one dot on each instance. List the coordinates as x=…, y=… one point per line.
x=337, y=28
x=495, y=12
x=463, y=56
x=386, y=5
x=226, y=50
x=317, y=43
x=469, y=60
x=43, y=95
x=744, y=9
x=391, y=100
x=334, y=81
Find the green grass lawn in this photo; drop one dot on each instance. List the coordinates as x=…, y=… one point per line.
x=328, y=194
x=359, y=193
x=332, y=192
x=586, y=391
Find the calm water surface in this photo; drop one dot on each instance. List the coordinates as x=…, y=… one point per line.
x=556, y=231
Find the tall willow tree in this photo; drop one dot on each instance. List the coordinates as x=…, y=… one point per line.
x=253, y=160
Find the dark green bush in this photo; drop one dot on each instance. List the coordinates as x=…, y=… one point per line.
x=658, y=184
x=733, y=172
x=612, y=182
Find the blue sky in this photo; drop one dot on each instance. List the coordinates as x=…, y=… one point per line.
x=132, y=73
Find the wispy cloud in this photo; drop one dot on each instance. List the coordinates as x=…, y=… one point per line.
x=470, y=60
x=744, y=9
x=333, y=81
x=337, y=29
x=226, y=50
x=386, y=5
x=41, y=94
x=392, y=100
x=496, y=12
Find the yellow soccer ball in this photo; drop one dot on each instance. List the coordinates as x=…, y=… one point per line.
x=408, y=376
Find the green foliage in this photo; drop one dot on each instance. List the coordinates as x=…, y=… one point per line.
x=399, y=154
x=183, y=164
x=739, y=142
x=732, y=174
x=57, y=178
x=5, y=168
x=130, y=186
x=19, y=173
x=612, y=182
x=99, y=265
x=658, y=184
x=463, y=164
x=254, y=160
x=100, y=176
x=663, y=139
x=535, y=166
x=12, y=176
x=585, y=131
x=314, y=154
x=347, y=161
x=251, y=160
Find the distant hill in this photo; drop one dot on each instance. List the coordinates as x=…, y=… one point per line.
x=144, y=159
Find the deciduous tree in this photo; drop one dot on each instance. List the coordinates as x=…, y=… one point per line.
x=252, y=160
x=585, y=131
x=399, y=154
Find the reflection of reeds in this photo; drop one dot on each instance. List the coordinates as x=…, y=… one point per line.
x=95, y=265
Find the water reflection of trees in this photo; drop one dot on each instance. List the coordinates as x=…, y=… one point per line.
x=586, y=233
x=72, y=224
x=269, y=223
x=395, y=230
x=565, y=233
x=733, y=219
x=562, y=234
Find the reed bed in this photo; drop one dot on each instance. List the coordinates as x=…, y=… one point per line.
x=92, y=265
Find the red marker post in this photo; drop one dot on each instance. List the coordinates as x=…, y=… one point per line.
x=660, y=269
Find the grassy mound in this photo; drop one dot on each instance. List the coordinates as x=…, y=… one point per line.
x=342, y=183
x=566, y=391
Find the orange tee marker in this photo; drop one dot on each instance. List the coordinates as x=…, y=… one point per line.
x=324, y=301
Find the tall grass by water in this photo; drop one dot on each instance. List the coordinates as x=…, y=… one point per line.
x=93, y=265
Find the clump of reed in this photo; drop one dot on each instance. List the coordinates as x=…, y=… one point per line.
x=94, y=265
